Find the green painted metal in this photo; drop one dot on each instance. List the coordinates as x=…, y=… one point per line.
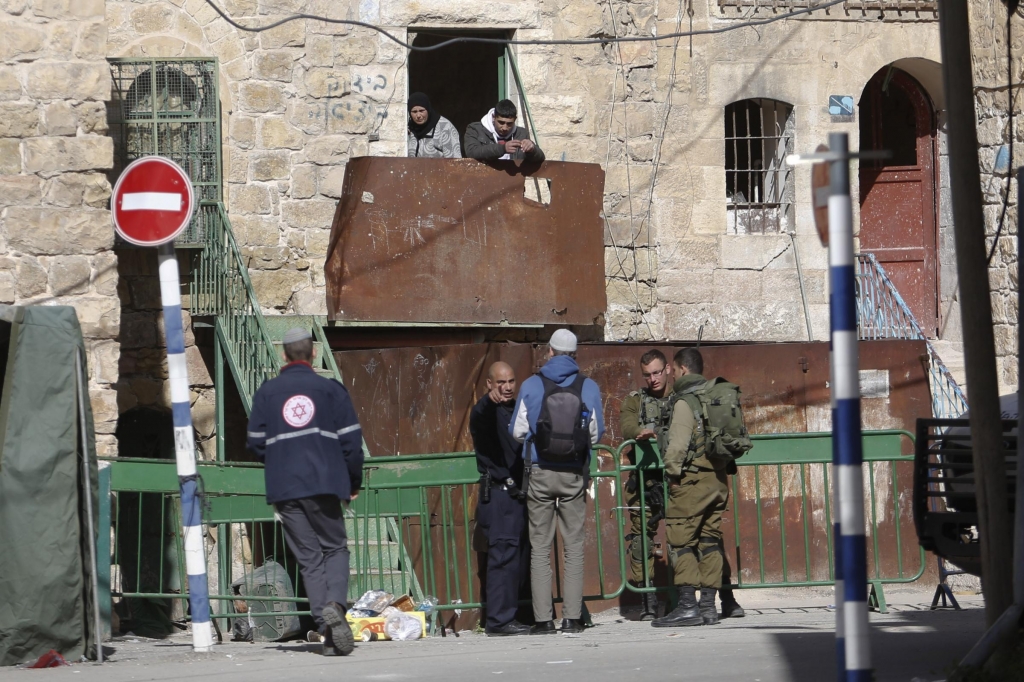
x=427, y=496
x=221, y=288
x=171, y=107
x=522, y=93
x=502, y=77
x=103, y=552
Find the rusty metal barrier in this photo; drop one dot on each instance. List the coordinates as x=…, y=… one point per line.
x=411, y=528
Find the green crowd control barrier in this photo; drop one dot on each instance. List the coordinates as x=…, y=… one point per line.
x=411, y=528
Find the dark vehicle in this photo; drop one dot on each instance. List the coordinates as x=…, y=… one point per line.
x=945, y=503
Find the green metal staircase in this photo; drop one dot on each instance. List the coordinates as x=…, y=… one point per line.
x=249, y=344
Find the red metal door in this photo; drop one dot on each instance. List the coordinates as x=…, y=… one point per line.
x=898, y=196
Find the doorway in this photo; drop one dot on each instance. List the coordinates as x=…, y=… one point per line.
x=898, y=206
x=462, y=80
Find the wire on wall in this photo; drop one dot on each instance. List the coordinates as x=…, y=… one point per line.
x=539, y=41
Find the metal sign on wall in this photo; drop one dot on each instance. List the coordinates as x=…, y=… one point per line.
x=461, y=241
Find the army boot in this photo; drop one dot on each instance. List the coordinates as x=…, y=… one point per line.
x=687, y=613
x=708, y=611
x=650, y=606
x=730, y=607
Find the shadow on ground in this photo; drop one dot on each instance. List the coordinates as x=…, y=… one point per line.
x=905, y=645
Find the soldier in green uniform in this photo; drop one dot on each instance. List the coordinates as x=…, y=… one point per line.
x=644, y=417
x=698, y=493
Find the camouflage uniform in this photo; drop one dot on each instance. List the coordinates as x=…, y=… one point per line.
x=641, y=410
x=693, y=518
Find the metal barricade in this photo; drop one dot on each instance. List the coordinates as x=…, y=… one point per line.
x=411, y=528
x=781, y=508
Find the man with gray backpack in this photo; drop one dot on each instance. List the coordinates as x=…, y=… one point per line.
x=706, y=436
x=558, y=416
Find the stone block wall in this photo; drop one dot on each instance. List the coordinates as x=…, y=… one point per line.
x=142, y=366
x=988, y=29
x=55, y=230
x=301, y=99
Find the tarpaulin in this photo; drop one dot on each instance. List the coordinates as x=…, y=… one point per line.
x=45, y=599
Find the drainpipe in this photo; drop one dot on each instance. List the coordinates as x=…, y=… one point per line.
x=803, y=292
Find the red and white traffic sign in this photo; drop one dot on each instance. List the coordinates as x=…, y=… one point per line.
x=152, y=202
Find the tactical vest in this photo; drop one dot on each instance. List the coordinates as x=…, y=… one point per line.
x=656, y=411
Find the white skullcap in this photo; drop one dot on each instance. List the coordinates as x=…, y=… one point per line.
x=563, y=340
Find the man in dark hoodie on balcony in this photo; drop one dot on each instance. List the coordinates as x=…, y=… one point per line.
x=558, y=416
x=497, y=137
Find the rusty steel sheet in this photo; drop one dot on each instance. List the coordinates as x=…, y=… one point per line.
x=415, y=400
x=459, y=241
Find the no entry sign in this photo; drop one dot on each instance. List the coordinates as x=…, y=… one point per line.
x=153, y=201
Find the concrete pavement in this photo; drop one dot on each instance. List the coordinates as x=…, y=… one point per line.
x=781, y=640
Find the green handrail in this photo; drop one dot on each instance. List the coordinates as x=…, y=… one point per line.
x=221, y=288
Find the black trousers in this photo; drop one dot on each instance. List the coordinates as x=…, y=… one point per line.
x=314, y=528
x=503, y=521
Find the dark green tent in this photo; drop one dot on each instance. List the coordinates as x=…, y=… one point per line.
x=46, y=429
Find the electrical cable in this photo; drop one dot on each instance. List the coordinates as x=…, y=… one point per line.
x=503, y=41
x=632, y=286
x=1011, y=8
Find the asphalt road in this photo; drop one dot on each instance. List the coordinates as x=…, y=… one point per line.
x=776, y=642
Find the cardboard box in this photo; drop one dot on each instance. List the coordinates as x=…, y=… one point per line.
x=377, y=625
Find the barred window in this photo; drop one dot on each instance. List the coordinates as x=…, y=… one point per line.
x=897, y=9
x=170, y=107
x=758, y=183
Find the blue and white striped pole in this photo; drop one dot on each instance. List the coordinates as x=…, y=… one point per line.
x=837, y=533
x=850, y=543
x=185, y=451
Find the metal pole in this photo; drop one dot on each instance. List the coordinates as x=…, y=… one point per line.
x=87, y=482
x=223, y=530
x=1018, y=530
x=976, y=309
x=846, y=426
x=185, y=451
x=803, y=290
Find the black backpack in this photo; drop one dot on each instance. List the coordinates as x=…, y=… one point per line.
x=563, y=426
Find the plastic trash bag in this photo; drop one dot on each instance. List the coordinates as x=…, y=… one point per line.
x=401, y=627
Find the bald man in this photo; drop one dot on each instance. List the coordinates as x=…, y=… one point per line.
x=501, y=507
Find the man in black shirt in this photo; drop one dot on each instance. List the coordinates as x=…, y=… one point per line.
x=501, y=509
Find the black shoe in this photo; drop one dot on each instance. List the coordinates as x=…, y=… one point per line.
x=650, y=606
x=708, y=612
x=687, y=613
x=730, y=607
x=338, y=633
x=545, y=628
x=571, y=626
x=509, y=630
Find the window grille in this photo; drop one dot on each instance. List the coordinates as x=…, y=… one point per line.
x=170, y=107
x=759, y=184
x=910, y=9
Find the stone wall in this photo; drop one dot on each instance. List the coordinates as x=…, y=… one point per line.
x=988, y=28
x=55, y=230
x=297, y=106
x=142, y=365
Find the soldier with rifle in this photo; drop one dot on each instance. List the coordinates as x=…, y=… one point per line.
x=644, y=417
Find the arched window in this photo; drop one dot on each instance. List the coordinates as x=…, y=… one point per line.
x=758, y=183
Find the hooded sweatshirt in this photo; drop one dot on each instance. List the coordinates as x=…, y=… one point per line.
x=488, y=122
x=561, y=369
x=481, y=141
